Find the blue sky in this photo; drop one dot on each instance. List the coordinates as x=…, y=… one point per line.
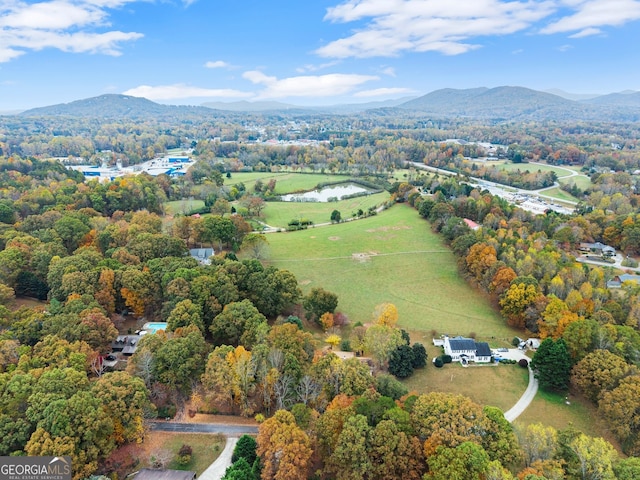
x=310, y=52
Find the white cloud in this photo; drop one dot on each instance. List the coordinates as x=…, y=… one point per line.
x=393, y=27
x=181, y=91
x=217, y=64
x=397, y=26
x=588, y=15
x=564, y=48
x=314, y=68
x=389, y=71
x=587, y=32
x=307, y=85
x=380, y=92
x=68, y=25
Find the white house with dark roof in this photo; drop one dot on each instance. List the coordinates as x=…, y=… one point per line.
x=464, y=350
x=202, y=255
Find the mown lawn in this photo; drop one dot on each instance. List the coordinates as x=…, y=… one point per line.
x=279, y=214
x=581, y=181
x=497, y=385
x=180, y=207
x=392, y=257
x=559, y=194
x=566, y=410
x=206, y=448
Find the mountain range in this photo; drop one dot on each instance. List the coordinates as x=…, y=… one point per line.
x=504, y=103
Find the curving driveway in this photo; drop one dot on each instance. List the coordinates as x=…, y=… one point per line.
x=529, y=394
x=217, y=469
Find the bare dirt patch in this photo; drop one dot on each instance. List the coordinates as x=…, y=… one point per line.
x=333, y=239
x=304, y=282
x=363, y=256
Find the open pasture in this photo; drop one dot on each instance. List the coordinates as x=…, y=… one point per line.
x=392, y=257
x=285, y=182
x=534, y=167
x=279, y=214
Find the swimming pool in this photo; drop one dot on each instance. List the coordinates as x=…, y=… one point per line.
x=153, y=327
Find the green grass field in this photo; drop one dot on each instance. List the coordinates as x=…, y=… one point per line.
x=285, y=182
x=178, y=207
x=279, y=214
x=559, y=194
x=560, y=172
x=392, y=257
x=497, y=385
x=581, y=181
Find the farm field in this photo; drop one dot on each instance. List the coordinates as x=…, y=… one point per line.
x=285, y=182
x=534, y=167
x=392, y=257
x=279, y=214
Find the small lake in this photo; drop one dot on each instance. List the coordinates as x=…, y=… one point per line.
x=324, y=194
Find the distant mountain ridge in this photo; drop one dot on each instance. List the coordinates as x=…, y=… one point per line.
x=245, y=106
x=117, y=106
x=504, y=103
x=622, y=99
x=519, y=103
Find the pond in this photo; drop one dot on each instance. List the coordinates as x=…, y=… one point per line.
x=327, y=194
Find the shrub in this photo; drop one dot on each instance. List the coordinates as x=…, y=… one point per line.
x=515, y=342
x=438, y=362
x=523, y=362
x=388, y=386
x=446, y=358
x=345, y=345
x=295, y=320
x=245, y=448
x=185, y=450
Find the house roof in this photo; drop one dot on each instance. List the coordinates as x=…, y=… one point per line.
x=482, y=349
x=471, y=224
x=460, y=344
x=203, y=253
x=152, y=474
x=629, y=278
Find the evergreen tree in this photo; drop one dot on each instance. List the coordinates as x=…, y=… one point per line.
x=552, y=365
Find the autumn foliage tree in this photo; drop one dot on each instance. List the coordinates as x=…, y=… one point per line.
x=284, y=449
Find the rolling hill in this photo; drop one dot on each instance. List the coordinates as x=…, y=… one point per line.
x=504, y=103
x=119, y=106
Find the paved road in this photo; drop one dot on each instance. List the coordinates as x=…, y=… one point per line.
x=230, y=430
x=216, y=470
x=617, y=264
x=529, y=394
